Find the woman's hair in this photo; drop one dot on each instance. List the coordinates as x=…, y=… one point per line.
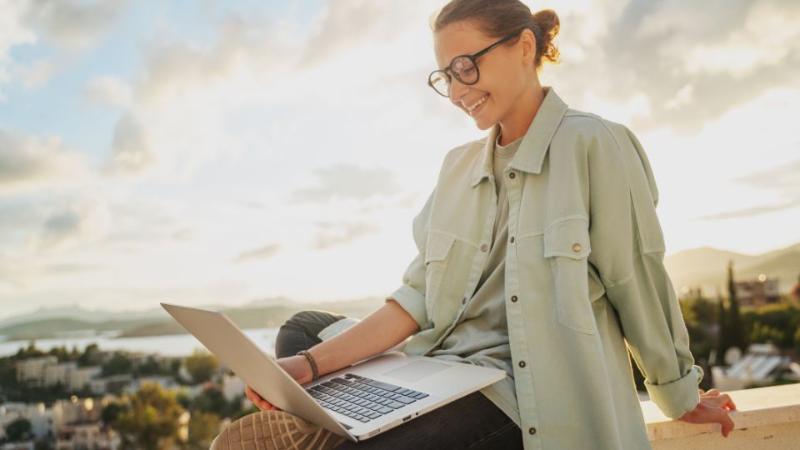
x=499, y=18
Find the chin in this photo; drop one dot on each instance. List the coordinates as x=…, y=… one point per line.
x=485, y=123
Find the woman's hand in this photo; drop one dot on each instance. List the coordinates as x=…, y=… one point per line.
x=296, y=366
x=713, y=408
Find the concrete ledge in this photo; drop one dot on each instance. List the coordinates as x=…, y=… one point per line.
x=766, y=418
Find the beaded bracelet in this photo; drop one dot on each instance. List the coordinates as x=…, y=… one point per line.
x=314, y=371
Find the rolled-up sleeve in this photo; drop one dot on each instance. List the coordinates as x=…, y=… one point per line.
x=411, y=294
x=628, y=253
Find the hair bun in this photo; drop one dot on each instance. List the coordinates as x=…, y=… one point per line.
x=547, y=21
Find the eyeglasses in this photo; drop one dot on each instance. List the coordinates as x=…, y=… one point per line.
x=463, y=67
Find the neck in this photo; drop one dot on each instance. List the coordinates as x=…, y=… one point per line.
x=519, y=118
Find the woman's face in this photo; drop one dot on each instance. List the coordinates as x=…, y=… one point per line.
x=505, y=71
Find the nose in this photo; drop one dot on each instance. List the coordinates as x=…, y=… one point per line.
x=457, y=91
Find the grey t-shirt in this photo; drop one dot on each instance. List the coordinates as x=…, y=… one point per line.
x=481, y=337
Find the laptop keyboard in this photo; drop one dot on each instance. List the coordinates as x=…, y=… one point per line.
x=362, y=398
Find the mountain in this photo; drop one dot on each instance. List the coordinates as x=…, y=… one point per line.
x=55, y=323
x=78, y=313
x=706, y=267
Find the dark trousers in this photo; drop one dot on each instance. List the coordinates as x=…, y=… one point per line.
x=471, y=422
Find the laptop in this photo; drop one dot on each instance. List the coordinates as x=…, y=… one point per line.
x=357, y=402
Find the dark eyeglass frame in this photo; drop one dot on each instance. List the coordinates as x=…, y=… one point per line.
x=447, y=71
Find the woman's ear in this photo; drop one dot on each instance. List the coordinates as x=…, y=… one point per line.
x=528, y=41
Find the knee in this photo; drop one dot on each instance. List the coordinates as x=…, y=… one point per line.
x=301, y=319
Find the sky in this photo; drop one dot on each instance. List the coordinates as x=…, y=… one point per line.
x=209, y=152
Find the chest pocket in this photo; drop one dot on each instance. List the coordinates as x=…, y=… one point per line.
x=567, y=248
x=437, y=249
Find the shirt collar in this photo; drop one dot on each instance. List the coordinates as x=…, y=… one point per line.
x=530, y=154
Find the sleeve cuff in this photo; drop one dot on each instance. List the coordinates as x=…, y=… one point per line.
x=679, y=396
x=413, y=302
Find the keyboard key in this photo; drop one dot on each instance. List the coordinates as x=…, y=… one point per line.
x=384, y=386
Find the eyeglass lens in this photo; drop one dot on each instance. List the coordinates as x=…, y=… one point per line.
x=464, y=70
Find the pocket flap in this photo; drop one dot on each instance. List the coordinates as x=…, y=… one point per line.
x=437, y=246
x=567, y=237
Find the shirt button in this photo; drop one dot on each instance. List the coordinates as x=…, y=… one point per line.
x=514, y=298
x=484, y=247
x=576, y=247
x=532, y=430
x=464, y=301
x=522, y=363
x=512, y=175
x=512, y=239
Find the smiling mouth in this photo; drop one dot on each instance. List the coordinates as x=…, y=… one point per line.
x=471, y=109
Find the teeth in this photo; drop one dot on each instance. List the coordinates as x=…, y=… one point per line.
x=478, y=103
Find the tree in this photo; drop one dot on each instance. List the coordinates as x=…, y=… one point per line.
x=203, y=428
x=212, y=400
x=118, y=364
x=151, y=420
x=722, y=334
x=201, y=365
x=18, y=430
x=31, y=351
x=91, y=356
x=738, y=336
x=111, y=411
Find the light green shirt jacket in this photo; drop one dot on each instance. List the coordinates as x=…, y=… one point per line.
x=585, y=284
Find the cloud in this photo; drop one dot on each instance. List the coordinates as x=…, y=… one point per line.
x=754, y=211
x=36, y=74
x=86, y=220
x=72, y=23
x=67, y=24
x=344, y=24
x=173, y=67
x=109, y=90
x=785, y=176
x=267, y=251
x=12, y=271
x=694, y=61
x=785, y=179
x=346, y=181
x=27, y=162
x=337, y=234
x=130, y=147
x=13, y=32
x=71, y=268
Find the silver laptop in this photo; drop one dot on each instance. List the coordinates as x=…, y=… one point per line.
x=357, y=402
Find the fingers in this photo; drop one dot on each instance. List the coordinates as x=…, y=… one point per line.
x=725, y=421
x=258, y=400
x=722, y=400
x=727, y=402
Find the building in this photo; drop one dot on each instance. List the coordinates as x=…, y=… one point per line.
x=81, y=377
x=75, y=410
x=41, y=418
x=758, y=292
x=761, y=365
x=32, y=370
x=46, y=371
x=232, y=387
x=89, y=436
x=110, y=384
x=18, y=446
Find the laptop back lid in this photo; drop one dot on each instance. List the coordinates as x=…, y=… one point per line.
x=256, y=368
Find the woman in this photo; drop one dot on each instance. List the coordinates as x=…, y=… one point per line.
x=540, y=253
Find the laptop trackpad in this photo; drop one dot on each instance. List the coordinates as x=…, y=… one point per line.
x=416, y=370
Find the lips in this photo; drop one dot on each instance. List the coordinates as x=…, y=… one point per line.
x=474, y=107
